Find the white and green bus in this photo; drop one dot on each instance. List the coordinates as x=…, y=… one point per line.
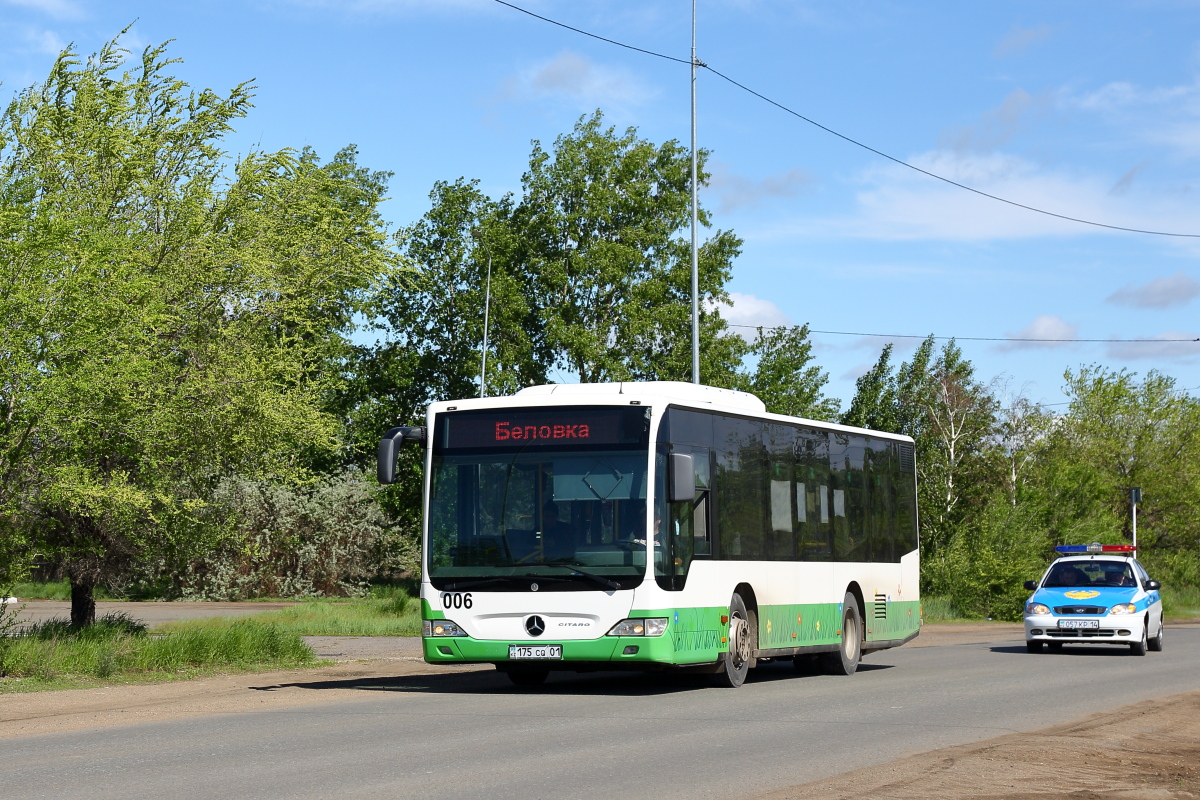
x=659, y=525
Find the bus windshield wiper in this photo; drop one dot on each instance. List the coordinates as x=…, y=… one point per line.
x=600, y=579
x=452, y=587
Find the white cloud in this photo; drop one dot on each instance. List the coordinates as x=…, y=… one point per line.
x=748, y=310
x=375, y=7
x=1123, y=94
x=904, y=205
x=996, y=128
x=738, y=191
x=58, y=9
x=44, y=42
x=1046, y=326
x=1019, y=39
x=1175, y=290
x=578, y=80
x=1163, y=347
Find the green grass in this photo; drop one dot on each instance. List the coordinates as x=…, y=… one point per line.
x=118, y=649
x=385, y=613
x=51, y=590
x=938, y=609
x=1181, y=602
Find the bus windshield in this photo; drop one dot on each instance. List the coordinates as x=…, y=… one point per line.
x=569, y=518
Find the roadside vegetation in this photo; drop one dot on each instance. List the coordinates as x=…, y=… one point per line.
x=387, y=612
x=118, y=649
x=111, y=484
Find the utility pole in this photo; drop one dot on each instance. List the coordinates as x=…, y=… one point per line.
x=1135, y=497
x=487, y=302
x=695, y=251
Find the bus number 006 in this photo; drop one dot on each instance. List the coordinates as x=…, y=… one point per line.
x=456, y=600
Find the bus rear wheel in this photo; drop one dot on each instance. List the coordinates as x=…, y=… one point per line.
x=845, y=660
x=527, y=676
x=741, y=645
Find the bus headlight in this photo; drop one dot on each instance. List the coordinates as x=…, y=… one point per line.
x=1123, y=608
x=441, y=627
x=655, y=626
x=1036, y=608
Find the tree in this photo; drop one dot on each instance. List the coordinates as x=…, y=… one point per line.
x=874, y=404
x=608, y=273
x=960, y=416
x=1139, y=433
x=1022, y=434
x=166, y=320
x=784, y=378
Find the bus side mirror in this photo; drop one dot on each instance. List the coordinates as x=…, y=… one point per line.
x=682, y=478
x=1031, y=585
x=385, y=466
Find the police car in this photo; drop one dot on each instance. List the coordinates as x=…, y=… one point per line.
x=1094, y=594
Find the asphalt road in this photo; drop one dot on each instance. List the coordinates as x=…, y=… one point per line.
x=613, y=736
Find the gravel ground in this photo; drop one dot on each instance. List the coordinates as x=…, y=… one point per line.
x=153, y=614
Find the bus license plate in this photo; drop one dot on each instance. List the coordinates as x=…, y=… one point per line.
x=517, y=652
x=1079, y=623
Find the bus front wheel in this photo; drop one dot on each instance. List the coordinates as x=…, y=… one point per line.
x=741, y=645
x=845, y=660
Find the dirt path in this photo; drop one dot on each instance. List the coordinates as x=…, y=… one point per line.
x=1144, y=751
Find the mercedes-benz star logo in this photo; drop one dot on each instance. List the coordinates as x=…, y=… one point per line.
x=535, y=625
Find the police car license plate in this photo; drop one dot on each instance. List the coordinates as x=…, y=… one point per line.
x=542, y=652
x=1079, y=623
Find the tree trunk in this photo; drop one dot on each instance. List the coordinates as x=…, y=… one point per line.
x=83, y=604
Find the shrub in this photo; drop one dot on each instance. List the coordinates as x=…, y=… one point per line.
x=326, y=539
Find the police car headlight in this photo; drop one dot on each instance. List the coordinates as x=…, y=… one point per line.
x=1123, y=608
x=1036, y=608
x=441, y=627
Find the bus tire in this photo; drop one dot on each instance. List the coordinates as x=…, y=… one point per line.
x=741, y=646
x=528, y=677
x=845, y=660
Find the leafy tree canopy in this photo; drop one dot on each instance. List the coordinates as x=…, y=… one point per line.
x=169, y=315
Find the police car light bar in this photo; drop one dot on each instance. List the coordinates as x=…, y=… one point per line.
x=1096, y=547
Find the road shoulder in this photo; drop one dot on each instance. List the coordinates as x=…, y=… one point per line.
x=1147, y=750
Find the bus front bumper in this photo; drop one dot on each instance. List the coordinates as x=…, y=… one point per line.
x=609, y=650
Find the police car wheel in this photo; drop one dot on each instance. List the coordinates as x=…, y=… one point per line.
x=1055, y=647
x=1156, y=642
x=1033, y=647
x=1139, y=648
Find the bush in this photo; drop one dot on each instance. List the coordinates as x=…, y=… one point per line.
x=118, y=645
x=328, y=539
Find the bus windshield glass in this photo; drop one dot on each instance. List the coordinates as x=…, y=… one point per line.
x=563, y=506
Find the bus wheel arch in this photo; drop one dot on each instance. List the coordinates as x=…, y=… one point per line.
x=856, y=590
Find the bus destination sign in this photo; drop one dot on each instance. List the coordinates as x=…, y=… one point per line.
x=541, y=427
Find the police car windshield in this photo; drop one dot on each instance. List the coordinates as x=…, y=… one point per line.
x=1115, y=574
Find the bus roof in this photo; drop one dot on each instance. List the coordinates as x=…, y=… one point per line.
x=676, y=390
x=672, y=392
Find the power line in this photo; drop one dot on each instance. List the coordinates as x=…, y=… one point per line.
x=851, y=140
x=593, y=35
x=963, y=338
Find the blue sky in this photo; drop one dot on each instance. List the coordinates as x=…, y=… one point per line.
x=1089, y=110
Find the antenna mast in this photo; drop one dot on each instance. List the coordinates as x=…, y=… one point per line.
x=695, y=252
